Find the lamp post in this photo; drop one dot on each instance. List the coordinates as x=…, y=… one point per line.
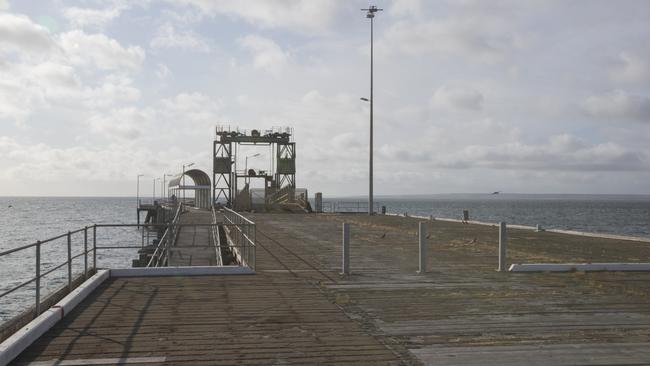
x=154, y=189
x=371, y=15
x=137, y=195
x=185, y=166
x=138, y=189
x=246, y=163
x=165, y=175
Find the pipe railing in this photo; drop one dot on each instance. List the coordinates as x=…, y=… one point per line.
x=241, y=236
x=160, y=256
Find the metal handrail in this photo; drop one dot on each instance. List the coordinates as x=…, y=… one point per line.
x=216, y=239
x=163, y=244
x=242, y=239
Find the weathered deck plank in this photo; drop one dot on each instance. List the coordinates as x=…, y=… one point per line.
x=298, y=309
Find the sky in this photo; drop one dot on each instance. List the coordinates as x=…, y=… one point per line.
x=471, y=96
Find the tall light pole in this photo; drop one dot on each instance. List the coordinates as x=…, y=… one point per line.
x=185, y=166
x=138, y=189
x=154, y=189
x=371, y=15
x=165, y=175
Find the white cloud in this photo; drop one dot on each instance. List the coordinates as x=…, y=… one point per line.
x=618, y=105
x=18, y=34
x=97, y=50
x=4, y=4
x=457, y=97
x=168, y=37
x=162, y=71
x=629, y=68
x=486, y=39
x=301, y=15
x=561, y=153
x=94, y=18
x=267, y=55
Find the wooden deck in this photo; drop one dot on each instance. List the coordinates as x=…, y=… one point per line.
x=195, y=245
x=299, y=310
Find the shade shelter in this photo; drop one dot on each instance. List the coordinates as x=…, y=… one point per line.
x=199, y=184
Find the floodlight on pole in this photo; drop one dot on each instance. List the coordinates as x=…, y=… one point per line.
x=371, y=15
x=165, y=175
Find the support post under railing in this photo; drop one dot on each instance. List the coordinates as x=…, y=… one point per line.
x=37, y=307
x=346, y=249
x=85, y=252
x=502, y=246
x=422, y=233
x=69, y=262
x=95, y=247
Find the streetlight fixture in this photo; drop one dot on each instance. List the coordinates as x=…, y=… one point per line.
x=371, y=15
x=185, y=166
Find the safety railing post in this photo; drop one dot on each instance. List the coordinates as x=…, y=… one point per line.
x=95, y=247
x=37, y=307
x=422, y=232
x=69, y=261
x=346, y=248
x=85, y=252
x=502, y=246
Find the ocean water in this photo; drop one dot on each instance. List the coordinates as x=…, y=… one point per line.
x=24, y=220
x=612, y=214
x=38, y=218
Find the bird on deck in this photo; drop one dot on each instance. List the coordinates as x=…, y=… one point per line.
x=382, y=236
x=428, y=236
x=10, y=206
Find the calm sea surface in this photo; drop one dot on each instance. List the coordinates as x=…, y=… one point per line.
x=38, y=218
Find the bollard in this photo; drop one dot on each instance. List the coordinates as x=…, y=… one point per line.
x=502, y=246
x=318, y=202
x=346, y=249
x=422, y=233
x=539, y=228
x=383, y=210
x=465, y=216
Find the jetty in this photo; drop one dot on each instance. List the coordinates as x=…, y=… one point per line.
x=291, y=285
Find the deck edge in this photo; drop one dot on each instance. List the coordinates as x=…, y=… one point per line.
x=23, y=338
x=181, y=271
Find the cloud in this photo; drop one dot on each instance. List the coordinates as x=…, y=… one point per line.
x=561, y=153
x=168, y=37
x=267, y=55
x=97, y=50
x=19, y=35
x=486, y=39
x=301, y=15
x=4, y=5
x=457, y=97
x=93, y=18
x=629, y=68
x=618, y=105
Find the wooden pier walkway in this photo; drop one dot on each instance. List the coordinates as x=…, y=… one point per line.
x=195, y=245
x=298, y=310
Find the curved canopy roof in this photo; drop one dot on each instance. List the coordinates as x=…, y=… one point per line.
x=200, y=178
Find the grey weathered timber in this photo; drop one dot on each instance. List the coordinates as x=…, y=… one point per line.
x=298, y=310
x=195, y=244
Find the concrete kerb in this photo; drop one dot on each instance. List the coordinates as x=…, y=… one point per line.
x=18, y=342
x=584, y=267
